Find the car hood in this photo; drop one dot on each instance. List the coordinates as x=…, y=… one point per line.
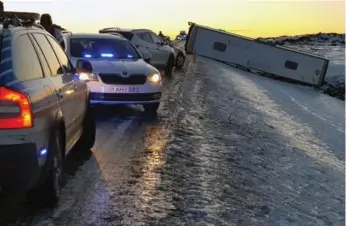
x=120, y=66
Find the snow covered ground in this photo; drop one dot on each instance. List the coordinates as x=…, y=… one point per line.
x=228, y=148
x=330, y=39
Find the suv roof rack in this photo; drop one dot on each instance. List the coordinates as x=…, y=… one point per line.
x=113, y=33
x=20, y=19
x=111, y=28
x=66, y=32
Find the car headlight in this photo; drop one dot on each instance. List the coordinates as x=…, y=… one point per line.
x=156, y=77
x=88, y=77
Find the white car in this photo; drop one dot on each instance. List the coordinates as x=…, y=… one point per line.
x=163, y=56
x=121, y=75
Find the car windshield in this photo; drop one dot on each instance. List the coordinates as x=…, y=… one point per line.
x=102, y=48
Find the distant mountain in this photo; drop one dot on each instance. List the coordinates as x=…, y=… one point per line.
x=332, y=39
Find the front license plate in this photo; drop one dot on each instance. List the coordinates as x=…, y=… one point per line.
x=125, y=89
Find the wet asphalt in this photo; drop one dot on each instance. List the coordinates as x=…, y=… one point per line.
x=211, y=157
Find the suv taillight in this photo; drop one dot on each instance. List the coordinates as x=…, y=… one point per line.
x=15, y=110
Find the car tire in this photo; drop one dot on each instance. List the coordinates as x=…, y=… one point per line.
x=169, y=66
x=48, y=193
x=151, y=108
x=179, y=63
x=88, y=137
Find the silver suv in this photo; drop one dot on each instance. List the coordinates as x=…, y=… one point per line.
x=44, y=111
x=145, y=40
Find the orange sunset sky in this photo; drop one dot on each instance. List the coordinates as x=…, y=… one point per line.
x=252, y=18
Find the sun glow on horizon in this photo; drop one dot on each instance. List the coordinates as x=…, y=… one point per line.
x=251, y=18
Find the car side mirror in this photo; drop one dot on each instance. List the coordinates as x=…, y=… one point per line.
x=147, y=57
x=84, y=66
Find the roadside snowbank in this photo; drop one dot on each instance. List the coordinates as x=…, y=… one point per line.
x=330, y=39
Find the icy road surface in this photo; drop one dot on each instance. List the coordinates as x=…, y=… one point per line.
x=228, y=148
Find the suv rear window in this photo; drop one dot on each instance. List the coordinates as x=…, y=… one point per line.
x=127, y=35
x=25, y=60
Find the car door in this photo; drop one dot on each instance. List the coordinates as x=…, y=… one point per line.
x=80, y=87
x=31, y=72
x=151, y=46
x=161, y=49
x=63, y=83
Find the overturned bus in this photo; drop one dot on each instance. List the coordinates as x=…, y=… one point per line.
x=253, y=54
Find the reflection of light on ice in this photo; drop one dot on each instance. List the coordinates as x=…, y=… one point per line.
x=151, y=198
x=298, y=135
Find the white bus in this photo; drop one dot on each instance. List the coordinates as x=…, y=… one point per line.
x=253, y=54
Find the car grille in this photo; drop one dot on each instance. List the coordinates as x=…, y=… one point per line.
x=134, y=79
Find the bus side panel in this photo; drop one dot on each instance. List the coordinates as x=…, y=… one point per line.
x=260, y=56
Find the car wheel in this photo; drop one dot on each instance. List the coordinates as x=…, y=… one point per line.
x=87, y=140
x=49, y=192
x=169, y=66
x=179, y=63
x=151, y=108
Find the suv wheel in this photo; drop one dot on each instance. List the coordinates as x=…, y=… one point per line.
x=49, y=192
x=179, y=63
x=87, y=140
x=169, y=66
x=151, y=108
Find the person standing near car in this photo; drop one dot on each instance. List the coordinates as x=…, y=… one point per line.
x=1, y=9
x=161, y=35
x=55, y=30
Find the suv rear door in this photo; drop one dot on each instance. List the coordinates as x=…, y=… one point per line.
x=150, y=46
x=163, y=50
x=64, y=85
x=29, y=77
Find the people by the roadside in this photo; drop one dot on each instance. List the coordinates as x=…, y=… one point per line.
x=55, y=30
x=1, y=9
x=161, y=35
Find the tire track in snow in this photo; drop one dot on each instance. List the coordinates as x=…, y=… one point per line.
x=299, y=135
x=311, y=111
x=266, y=180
